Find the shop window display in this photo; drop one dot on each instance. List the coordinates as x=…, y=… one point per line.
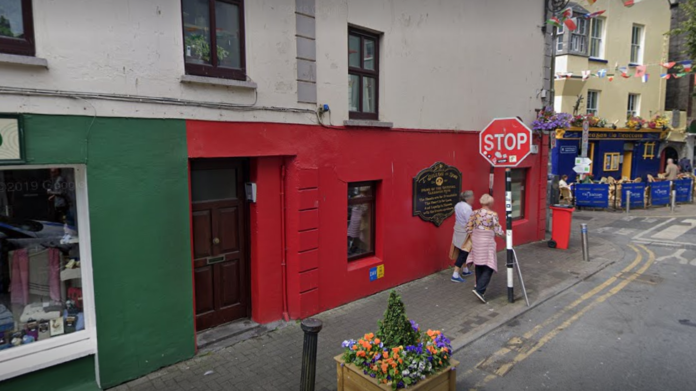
x=40, y=269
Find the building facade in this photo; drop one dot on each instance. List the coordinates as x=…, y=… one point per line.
x=612, y=50
x=159, y=180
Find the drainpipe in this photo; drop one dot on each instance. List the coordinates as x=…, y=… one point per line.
x=283, y=263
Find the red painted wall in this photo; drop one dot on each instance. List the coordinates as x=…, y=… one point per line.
x=320, y=163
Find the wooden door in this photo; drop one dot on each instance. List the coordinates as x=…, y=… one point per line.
x=220, y=232
x=627, y=164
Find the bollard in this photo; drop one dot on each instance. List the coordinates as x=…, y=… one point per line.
x=585, y=243
x=628, y=201
x=311, y=328
x=674, y=200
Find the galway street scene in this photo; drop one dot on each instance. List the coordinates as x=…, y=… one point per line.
x=347, y=195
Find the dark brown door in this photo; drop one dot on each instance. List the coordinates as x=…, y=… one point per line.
x=219, y=215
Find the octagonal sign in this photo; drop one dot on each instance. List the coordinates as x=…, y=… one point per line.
x=505, y=142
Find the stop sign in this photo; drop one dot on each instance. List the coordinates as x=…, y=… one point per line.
x=505, y=142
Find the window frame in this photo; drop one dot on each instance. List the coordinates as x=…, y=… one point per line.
x=638, y=46
x=597, y=41
x=371, y=200
x=361, y=72
x=595, y=109
x=213, y=69
x=633, y=109
x=523, y=192
x=560, y=31
x=649, y=150
x=611, y=158
x=22, y=46
x=581, y=33
x=43, y=354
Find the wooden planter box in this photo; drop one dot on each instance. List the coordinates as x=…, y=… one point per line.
x=351, y=378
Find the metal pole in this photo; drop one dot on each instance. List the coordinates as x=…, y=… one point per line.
x=674, y=200
x=585, y=243
x=628, y=201
x=508, y=233
x=311, y=328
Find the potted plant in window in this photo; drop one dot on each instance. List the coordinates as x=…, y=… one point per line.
x=635, y=122
x=399, y=356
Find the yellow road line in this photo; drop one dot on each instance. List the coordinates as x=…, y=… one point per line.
x=549, y=336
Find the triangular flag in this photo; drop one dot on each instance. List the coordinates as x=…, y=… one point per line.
x=688, y=64
x=591, y=1
x=571, y=23
x=611, y=78
x=645, y=78
x=626, y=75
x=601, y=73
x=594, y=14
x=631, y=3
x=567, y=13
x=555, y=22
x=668, y=64
x=665, y=76
x=640, y=70
x=585, y=75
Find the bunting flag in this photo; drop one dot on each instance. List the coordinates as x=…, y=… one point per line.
x=591, y=1
x=555, y=22
x=564, y=18
x=668, y=65
x=688, y=64
x=631, y=3
x=645, y=78
x=571, y=23
x=585, y=75
x=594, y=14
x=665, y=76
x=626, y=75
x=601, y=73
x=640, y=70
x=611, y=78
x=567, y=13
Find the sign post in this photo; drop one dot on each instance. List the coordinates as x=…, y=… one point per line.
x=506, y=142
x=585, y=136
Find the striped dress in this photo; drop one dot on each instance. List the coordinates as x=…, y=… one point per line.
x=483, y=225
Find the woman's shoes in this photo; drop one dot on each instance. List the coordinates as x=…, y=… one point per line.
x=479, y=296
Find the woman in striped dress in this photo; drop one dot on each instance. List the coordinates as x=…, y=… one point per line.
x=483, y=226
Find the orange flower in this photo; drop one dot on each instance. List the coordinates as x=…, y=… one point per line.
x=384, y=367
x=360, y=353
x=445, y=357
x=440, y=362
x=430, y=333
x=355, y=347
x=395, y=350
x=402, y=361
x=377, y=341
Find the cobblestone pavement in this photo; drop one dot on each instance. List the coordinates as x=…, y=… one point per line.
x=272, y=361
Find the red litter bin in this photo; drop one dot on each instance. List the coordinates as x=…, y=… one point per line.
x=562, y=217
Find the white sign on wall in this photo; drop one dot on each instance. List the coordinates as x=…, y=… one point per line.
x=10, y=140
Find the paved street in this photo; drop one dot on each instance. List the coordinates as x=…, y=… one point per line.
x=632, y=326
x=623, y=320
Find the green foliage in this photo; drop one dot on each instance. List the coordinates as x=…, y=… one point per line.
x=687, y=29
x=395, y=329
x=5, y=27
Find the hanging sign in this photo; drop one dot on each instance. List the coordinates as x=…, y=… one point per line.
x=683, y=188
x=592, y=195
x=435, y=192
x=637, y=194
x=659, y=193
x=11, y=140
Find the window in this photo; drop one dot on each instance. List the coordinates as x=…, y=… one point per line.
x=218, y=54
x=592, y=102
x=45, y=270
x=611, y=161
x=519, y=182
x=363, y=74
x=16, y=27
x=637, y=44
x=559, y=38
x=361, y=220
x=597, y=38
x=649, y=150
x=578, y=38
x=633, y=105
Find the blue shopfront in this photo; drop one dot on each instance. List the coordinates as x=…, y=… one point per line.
x=614, y=153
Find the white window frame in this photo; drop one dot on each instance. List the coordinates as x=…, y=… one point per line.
x=38, y=355
x=559, y=38
x=633, y=109
x=594, y=108
x=597, y=40
x=637, y=43
x=579, y=44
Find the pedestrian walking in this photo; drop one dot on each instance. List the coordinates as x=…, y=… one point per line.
x=483, y=226
x=462, y=212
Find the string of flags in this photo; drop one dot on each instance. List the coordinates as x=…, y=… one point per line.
x=679, y=69
x=565, y=17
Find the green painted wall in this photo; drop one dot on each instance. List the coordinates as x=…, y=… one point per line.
x=77, y=375
x=139, y=214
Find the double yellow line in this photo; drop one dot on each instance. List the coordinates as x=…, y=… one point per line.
x=522, y=355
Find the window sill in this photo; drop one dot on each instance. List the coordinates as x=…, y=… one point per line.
x=192, y=79
x=633, y=64
x=364, y=263
x=364, y=123
x=24, y=359
x=595, y=59
x=29, y=61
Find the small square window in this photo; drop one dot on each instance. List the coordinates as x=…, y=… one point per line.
x=611, y=161
x=16, y=27
x=361, y=220
x=649, y=150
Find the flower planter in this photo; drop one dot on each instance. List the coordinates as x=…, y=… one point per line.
x=351, y=378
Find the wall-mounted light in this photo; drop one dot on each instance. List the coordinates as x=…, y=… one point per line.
x=673, y=3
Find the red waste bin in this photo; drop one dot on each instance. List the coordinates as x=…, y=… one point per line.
x=561, y=224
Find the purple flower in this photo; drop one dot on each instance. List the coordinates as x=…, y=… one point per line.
x=400, y=385
x=365, y=371
x=388, y=377
x=372, y=375
x=415, y=326
x=377, y=357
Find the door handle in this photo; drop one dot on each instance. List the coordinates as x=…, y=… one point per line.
x=216, y=241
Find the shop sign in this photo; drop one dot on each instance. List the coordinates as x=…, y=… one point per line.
x=591, y=195
x=594, y=135
x=376, y=272
x=683, y=188
x=569, y=149
x=11, y=140
x=435, y=192
x=659, y=193
x=637, y=194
